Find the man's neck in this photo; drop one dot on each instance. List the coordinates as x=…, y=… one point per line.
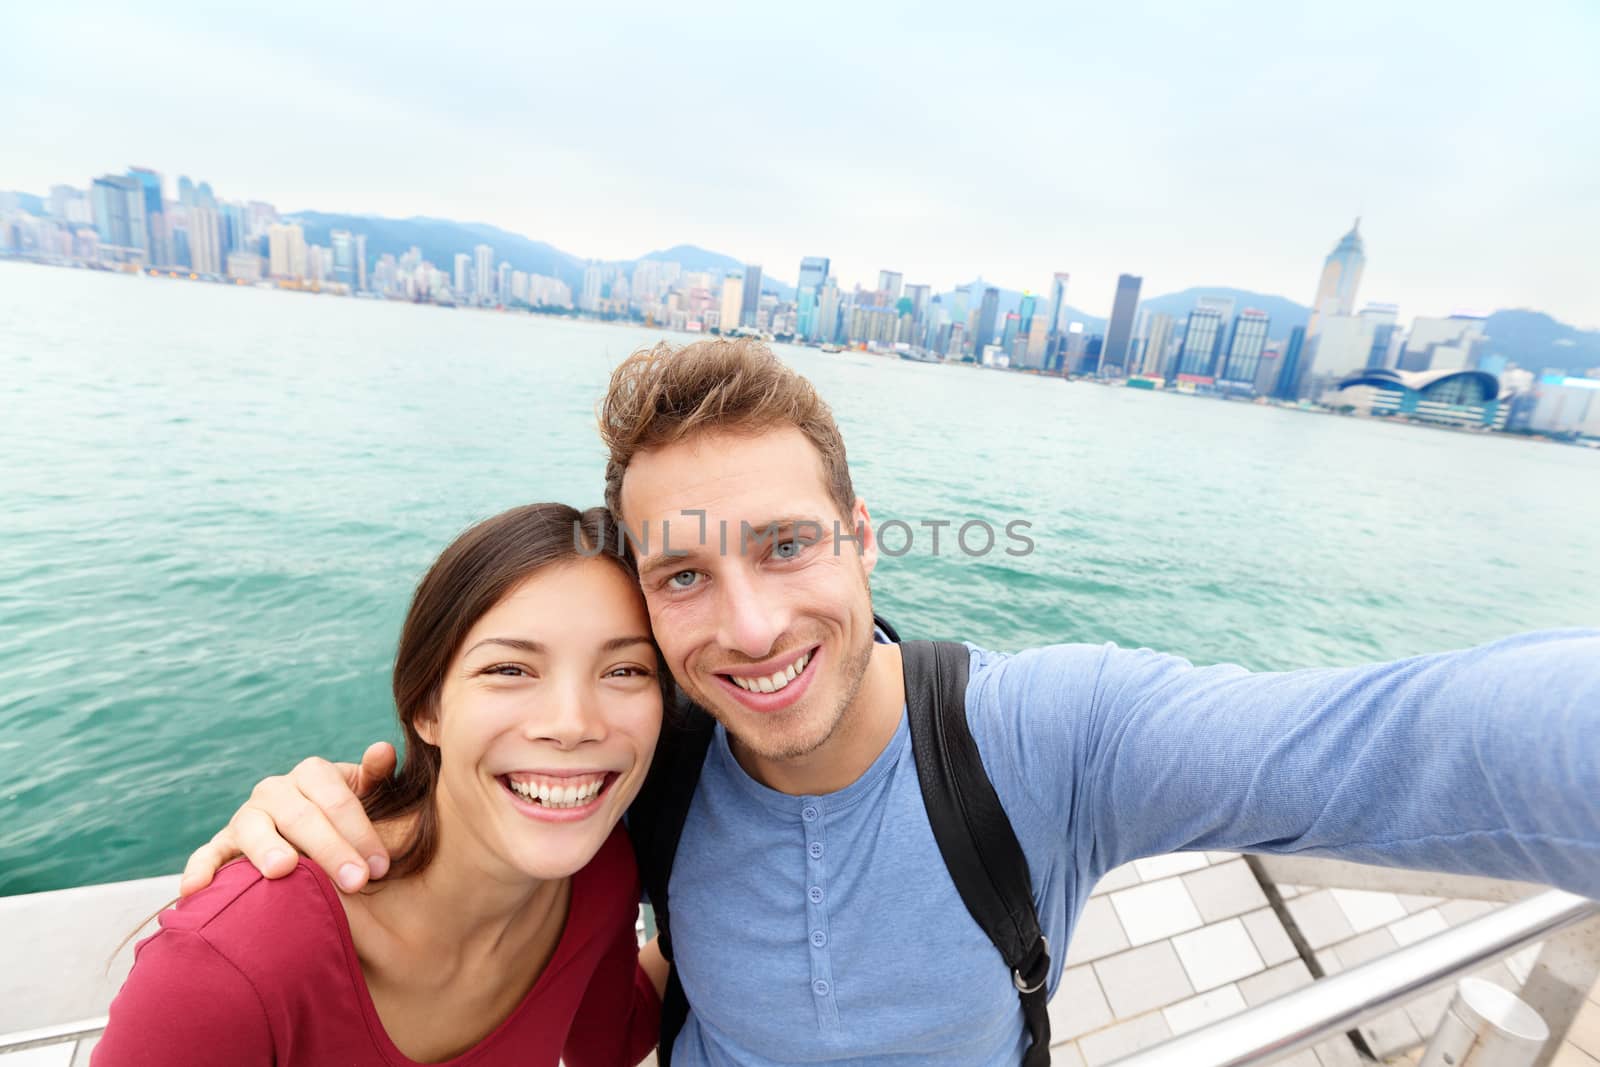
x=863, y=732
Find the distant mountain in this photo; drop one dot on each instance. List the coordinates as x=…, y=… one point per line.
x=1534, y=340
x=440, y=240
x=693, y=257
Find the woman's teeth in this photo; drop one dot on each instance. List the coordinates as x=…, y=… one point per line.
x=558, y=792
x=776, y=681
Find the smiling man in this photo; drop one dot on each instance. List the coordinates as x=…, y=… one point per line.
x=813, y=918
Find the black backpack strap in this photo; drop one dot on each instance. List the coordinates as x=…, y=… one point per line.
x=975, y=837
x=655, y=823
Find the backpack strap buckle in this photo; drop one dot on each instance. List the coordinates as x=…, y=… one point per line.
x=1034, y=980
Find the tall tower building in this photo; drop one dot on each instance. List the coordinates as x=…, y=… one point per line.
x=1202, y=336
x=813, y=272
x=463, y=272
x=158, y=239
x=732, y=301
x=889, y=286
x=117, y=206
x=1245, y=347
x=483, y=273
x=1341, y=276
x=1114, y=353
x=988, y=310
x=1157, y=339
x=752, y=295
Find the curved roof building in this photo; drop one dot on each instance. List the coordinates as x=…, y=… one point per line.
x=1459, y=397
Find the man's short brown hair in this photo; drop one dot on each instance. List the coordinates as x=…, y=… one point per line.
x=665, y=394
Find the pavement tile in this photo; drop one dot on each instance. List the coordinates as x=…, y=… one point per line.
x=1320, y=919
x=1124, y=1039
x=1216, y=955
x=1142, y=979
x=1155, y=910
x=1368, y=911
x=1196, y=1012
x=1097, y=934
x=1369, y=946
x=1225, y=890
x=1274, y=982
x=1116, y=878
x=1267, y=932
x=1166, y=866
x=1418, y=926
x=1078, y=1006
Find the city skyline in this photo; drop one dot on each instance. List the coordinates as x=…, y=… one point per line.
x=1100, y=166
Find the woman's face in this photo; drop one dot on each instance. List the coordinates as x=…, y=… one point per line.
x=548, y=716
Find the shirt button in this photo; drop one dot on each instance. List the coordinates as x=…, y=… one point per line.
x=815, y=850
x=818, y=938
x=815, y=894
x=808, y=813
x=820, y=987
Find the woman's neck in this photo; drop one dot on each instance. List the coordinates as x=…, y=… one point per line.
x=464, y=908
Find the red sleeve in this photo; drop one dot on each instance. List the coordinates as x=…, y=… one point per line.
x=184, y=1005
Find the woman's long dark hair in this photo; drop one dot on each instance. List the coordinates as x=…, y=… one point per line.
x=468, y=579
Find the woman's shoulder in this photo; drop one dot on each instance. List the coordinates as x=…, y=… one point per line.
x=287, y=934
x=241, y=901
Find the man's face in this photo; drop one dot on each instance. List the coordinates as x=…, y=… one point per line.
x=765, y=618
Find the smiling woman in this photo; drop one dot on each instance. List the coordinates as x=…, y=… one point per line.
x=530, y=693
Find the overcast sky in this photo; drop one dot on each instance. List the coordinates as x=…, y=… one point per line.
x=1192, y=143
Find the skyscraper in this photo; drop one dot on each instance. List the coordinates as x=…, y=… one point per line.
x=1244, y=348
x=286, y=251
x=889, y=286
x=1114, y=353
x=344, y=257
x=987, y=311
x=1201, y=338
x=205, y=241
x=462, y=281
x=1157, y=339
x=483, y=274
x=361, y=262
x=732, y=300
x=1341, y=276
x=1289, y=377
x=752, y=295
x=116, y=203
x=919, y=306
x=1058, y=323
x=813, y=272
x=158, y=239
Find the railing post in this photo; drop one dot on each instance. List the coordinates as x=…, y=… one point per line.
x=1485, y=1026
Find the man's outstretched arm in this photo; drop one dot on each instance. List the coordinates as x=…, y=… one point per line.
x=1483, y=761
x=315, y=808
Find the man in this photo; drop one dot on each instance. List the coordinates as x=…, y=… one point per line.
x=812, y=915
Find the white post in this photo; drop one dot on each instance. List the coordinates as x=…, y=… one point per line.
x=1486, y=1026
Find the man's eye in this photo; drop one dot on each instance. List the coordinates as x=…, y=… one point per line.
x=683, y=579
x=787, y=549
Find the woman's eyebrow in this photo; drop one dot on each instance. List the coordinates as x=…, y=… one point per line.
x=535, y=648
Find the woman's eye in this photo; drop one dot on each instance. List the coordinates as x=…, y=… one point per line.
x=506, y=670
x=683, y=579
x=628, y=672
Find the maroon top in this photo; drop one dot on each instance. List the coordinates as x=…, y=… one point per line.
x=255, y=972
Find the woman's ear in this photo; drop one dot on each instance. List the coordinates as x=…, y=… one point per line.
x=427, y=723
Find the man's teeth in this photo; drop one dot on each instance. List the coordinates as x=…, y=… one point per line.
x=777, y=681
x=559, y=792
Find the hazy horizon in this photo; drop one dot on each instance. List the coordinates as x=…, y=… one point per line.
x=1229, y=147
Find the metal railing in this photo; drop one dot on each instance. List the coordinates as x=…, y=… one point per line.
x=1342, y=1002
x=59, y=1034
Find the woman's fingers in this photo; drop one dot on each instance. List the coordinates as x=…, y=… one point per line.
x=377, y=765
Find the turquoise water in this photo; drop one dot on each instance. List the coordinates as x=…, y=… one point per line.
x=217, y=502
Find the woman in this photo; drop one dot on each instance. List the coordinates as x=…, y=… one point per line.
x=530, y=694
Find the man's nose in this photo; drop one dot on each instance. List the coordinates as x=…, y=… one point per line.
x=750, y=620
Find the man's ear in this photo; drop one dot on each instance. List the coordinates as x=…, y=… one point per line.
x=861, y=527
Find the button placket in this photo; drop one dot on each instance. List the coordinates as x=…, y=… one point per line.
x=817, y=933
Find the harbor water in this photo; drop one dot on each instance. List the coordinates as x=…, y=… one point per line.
x=217, y=501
